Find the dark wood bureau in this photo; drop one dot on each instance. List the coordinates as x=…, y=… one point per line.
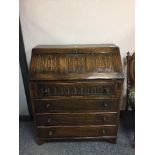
x=75, y=91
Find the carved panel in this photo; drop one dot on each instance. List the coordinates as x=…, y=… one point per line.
x=74, y=90
x=45, y=63
x=103, y=63
x=73, y=63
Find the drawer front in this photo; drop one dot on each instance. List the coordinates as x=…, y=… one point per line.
x=82, y=131
x=49, y=89
x=76, y=105
x=77, y=119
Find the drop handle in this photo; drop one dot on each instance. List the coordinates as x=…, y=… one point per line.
x=104, y=118
x=49, y=120
x=47, y=105
x=105, y=105
x=103, y=132
x=50, y=133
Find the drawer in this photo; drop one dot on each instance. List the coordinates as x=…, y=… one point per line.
x=50, y=89
x=63, y=119
x=76, y=105
x=78, y=131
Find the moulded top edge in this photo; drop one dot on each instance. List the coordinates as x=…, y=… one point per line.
x=76, y=46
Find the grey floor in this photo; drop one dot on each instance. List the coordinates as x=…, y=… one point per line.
x=28, y=145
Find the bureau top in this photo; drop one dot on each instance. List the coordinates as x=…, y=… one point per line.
x=75, y=62
x=75, y=46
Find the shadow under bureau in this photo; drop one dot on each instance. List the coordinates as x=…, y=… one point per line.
x=75, y=91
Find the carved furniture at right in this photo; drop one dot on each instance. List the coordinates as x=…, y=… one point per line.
x=130, y=81
x=131, y=85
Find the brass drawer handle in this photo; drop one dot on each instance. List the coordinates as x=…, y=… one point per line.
x=47, y=105
x=49, y=120
x=103, y=132
x=50, y=133
x=104, y=118
x=105, y=105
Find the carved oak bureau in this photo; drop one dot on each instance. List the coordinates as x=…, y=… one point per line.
x=75, y=91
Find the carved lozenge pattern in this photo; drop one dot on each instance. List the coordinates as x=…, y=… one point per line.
x=73, y=63
x=55, y=90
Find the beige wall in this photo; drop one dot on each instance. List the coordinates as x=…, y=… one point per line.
x=77, y=22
